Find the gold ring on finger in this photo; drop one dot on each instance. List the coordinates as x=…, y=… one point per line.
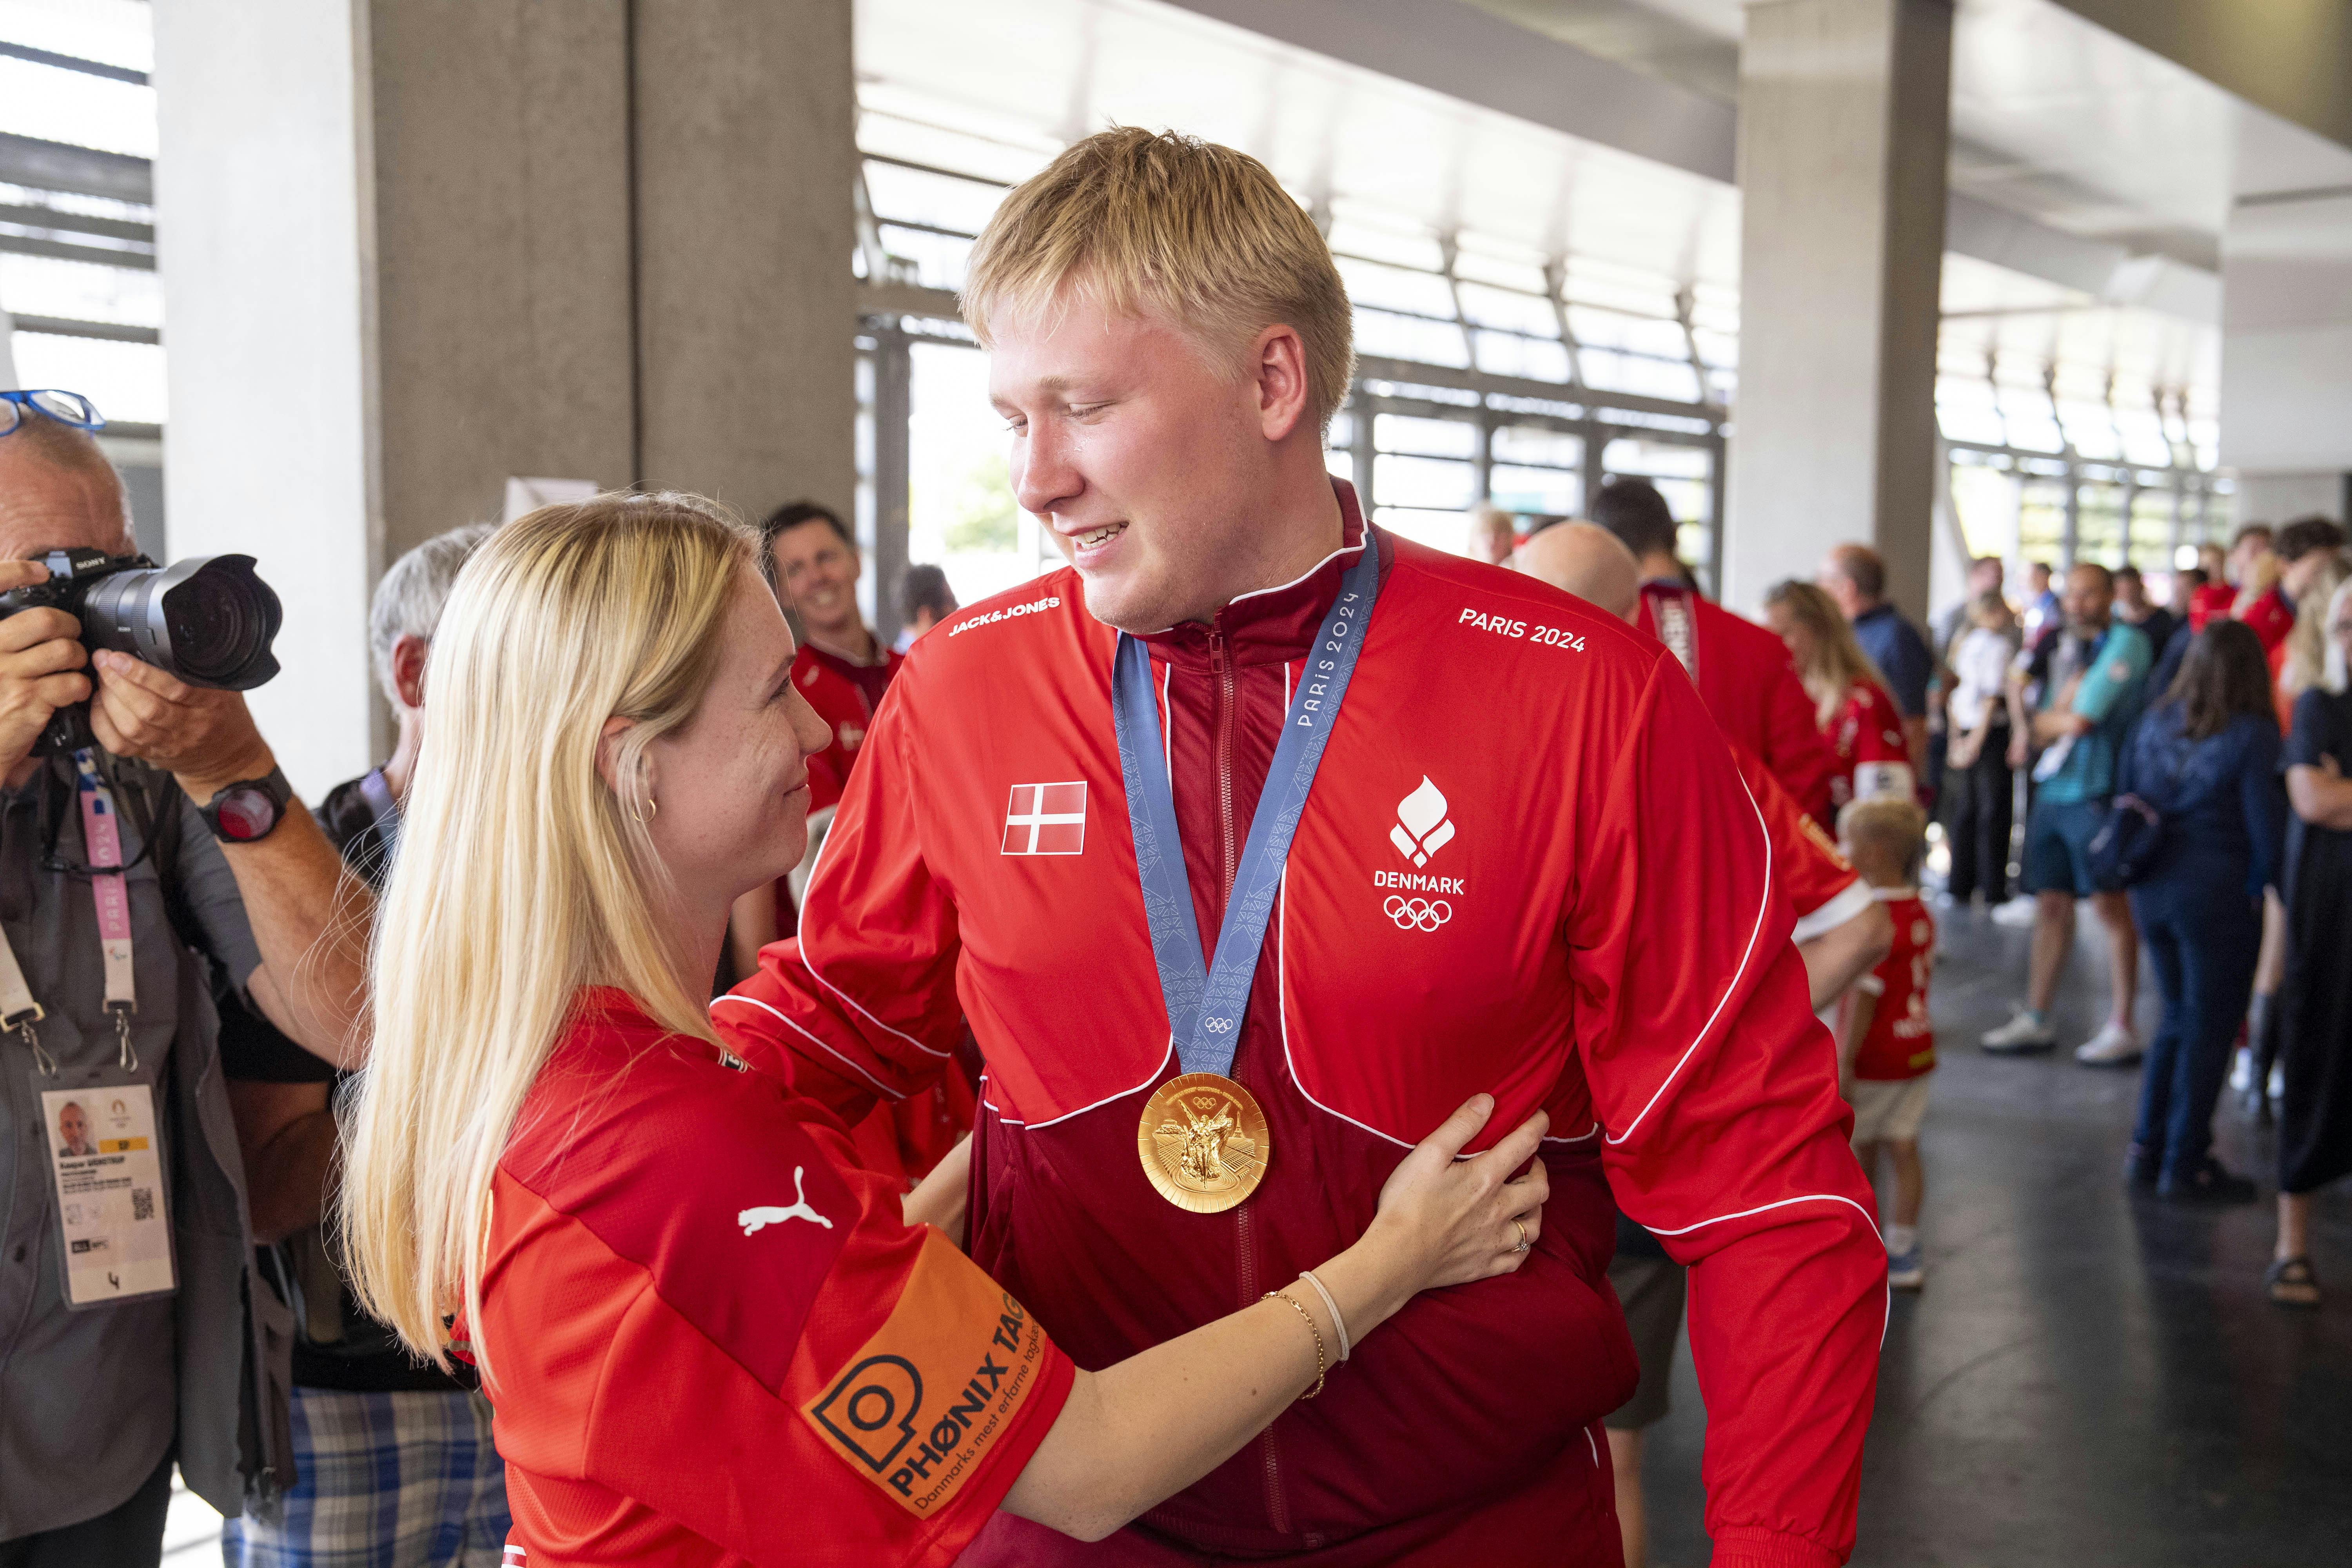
x=1523, y=1237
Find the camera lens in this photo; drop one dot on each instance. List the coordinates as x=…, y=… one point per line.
x=215, y=632
x=208, y=620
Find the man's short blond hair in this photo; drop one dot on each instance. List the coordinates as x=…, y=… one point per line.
x=1173, y=228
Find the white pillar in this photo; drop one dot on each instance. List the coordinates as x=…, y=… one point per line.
x=262, y=199
x=2286, y=355
x=1844, y=133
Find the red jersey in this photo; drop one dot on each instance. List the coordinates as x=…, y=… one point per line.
x=845, y=696
x=2271, y=617
x=2208, y=604
x=1749, y=682
x=1866, y=737
x=1901, y=1042
x=695, y=1308
x=1600, y=935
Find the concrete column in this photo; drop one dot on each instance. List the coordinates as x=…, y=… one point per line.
x=746, y=158
x=2286, y=346
x=1843, y=135
x=502, y=274
x=894, y=389
x=412, y=249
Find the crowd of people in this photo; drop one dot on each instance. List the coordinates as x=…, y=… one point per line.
x=729, y=1088
x=2182, y=776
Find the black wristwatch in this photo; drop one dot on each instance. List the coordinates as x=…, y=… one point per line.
x=248, y=809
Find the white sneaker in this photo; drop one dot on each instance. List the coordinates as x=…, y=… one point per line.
x=2018, y=914
x=2021, y=1033
x=2112, y=1046
x=2241, y=1070
x=2277, y=1085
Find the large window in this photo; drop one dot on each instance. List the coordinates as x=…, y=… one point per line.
x=1490, y=372
x=76, y=223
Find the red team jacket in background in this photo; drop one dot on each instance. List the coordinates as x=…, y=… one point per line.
x=834, y=688
x=2271, y=617
x=2209, y=603
x=1901, y=1042
x=1749, y=683
x=1587, y=922
x=714, y=1340
x=1866, y=739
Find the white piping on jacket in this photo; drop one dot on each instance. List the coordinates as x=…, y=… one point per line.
x=1763, y=908
x=879, y=1086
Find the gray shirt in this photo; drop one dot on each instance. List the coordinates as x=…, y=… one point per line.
x=89, y=1401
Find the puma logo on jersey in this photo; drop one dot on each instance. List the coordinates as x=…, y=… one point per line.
x=1422, y=829
x=754, y=1220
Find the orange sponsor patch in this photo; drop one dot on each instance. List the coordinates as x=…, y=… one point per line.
x=916, y=1407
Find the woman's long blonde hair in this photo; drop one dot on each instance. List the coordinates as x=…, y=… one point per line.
x=2306, y=664
x=1836, y=662
x=521, y=876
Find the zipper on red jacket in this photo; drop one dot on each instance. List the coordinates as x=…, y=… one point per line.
x=1221, y=665
x=1277, y=1507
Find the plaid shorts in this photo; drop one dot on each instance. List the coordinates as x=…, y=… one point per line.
x=383, y=1480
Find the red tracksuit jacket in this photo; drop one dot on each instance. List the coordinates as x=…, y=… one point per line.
x=1599, y=935
x=1749, y=683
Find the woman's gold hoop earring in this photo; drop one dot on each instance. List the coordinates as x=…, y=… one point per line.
x=652, y=810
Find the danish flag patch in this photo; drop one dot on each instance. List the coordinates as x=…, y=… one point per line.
x=1046, y=819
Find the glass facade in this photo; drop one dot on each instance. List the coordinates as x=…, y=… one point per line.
x=1492, y=371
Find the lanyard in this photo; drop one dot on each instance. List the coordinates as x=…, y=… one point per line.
x=102, y=843
x=1205, y=1007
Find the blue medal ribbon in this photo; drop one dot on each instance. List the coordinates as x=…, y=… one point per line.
x=1207, y=1003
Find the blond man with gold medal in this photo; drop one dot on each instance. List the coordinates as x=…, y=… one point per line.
x=1252, y=844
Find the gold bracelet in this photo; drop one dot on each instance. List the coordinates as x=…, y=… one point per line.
x=1308, y=1318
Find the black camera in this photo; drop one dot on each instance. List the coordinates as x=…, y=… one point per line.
x=208, y=621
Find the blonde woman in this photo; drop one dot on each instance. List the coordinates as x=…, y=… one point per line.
x=709, y=1337
x=1856, y=715
x=2302, y=659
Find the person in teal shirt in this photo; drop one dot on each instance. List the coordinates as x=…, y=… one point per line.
x=2097, y=686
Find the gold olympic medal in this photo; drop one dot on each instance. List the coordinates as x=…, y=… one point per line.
x=1202, y=1142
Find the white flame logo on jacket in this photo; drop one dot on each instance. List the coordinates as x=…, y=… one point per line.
x=1422, y=829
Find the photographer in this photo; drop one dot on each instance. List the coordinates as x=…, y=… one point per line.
x=126, y=1337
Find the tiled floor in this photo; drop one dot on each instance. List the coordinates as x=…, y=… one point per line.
x=2088, y=1378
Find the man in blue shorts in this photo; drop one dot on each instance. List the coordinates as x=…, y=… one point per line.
x=2095, y=688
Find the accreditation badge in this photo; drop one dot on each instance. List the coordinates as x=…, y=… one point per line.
x=106, y=1172
x=1202, y=1141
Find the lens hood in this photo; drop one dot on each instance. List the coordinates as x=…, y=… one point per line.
x=208, y=620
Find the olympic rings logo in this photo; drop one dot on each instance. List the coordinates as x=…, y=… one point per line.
x=1218, y=1025
x=1423, y=914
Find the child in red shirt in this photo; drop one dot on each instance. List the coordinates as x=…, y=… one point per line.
x=1886, y=1047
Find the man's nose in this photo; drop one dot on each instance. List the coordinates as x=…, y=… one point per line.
x=1044, y=477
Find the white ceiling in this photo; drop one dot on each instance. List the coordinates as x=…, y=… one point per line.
x=2056, y=122
x=1042, y=71
x=2053, y=118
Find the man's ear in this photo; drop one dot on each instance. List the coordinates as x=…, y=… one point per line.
x=1278, y=366
x=408, y=653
